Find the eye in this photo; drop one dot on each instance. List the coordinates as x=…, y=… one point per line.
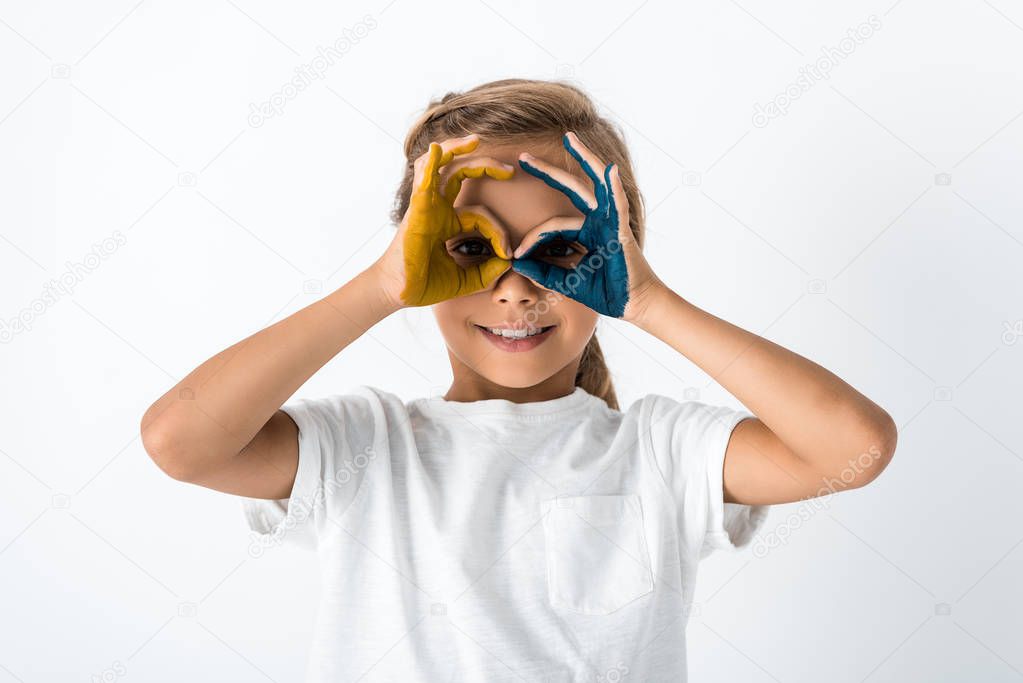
x=560, y=249
x=561, y=252
x=473, y=248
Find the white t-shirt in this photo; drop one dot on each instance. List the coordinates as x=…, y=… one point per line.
x=492, y=541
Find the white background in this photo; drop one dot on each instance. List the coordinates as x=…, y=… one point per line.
x=876, y=228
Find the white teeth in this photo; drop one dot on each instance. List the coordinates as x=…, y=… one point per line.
x=514, y=334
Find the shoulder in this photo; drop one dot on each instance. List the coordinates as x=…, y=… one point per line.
x=657, y=411
x=684, y=427
x=657, y=408
x=360, y=408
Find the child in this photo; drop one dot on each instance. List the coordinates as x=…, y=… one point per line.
x=520, y=527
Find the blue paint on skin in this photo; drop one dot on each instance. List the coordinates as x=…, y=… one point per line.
x=600, y=280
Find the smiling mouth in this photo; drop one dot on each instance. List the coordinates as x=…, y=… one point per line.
x=513, y=334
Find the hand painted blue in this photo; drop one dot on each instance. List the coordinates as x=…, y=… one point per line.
x=600, y=280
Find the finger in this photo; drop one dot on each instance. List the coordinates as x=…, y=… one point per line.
x=566, y=227
x=493, y=269
x=543, y=274
x=619, y=202
x=430, y=161
x=589, y=162
x=474, y=168
x=481, y=219
x=560, y=180
x=430, y=164
x=455, y=146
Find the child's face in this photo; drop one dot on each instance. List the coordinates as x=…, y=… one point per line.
x=520, y=204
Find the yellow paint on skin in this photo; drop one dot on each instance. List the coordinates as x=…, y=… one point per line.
x=431, y=275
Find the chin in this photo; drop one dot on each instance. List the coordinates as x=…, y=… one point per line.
x=514, y=377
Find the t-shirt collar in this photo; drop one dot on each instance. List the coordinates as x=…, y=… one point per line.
x=438, y=406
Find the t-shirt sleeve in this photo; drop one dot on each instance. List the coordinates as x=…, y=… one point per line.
x=688, y=440
x=335, y=447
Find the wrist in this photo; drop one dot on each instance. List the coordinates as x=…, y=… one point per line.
x=363, y=299
x=377, y=288
x=645, y=301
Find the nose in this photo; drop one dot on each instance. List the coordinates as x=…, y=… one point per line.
x=514, y=288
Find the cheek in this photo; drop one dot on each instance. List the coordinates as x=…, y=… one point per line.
x=453, y=315
x=449, y=314
x=579, y=319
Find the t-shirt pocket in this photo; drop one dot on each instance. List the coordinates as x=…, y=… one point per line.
x=596, y=552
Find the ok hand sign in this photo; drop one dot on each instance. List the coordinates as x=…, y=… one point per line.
x=612, y=275
x=423, y=266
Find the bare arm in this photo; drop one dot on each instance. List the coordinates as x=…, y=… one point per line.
x=222, y=427
x=814, y=434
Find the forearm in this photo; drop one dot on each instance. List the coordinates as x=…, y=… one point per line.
x=220, y=406
x=813, y=411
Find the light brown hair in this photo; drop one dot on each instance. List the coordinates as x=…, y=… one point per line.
x=536, y=113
